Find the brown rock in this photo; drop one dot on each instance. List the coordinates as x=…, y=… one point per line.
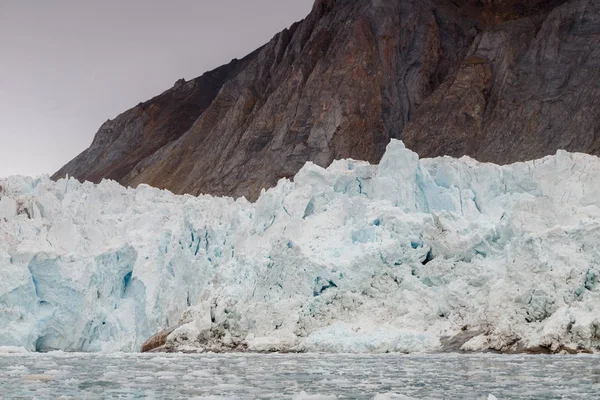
x=138, y=133
x=540, y=92
x=158, y=341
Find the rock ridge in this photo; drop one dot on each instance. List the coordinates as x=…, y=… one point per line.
x=501, y=81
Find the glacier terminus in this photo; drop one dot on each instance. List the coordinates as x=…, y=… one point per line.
x=411, y=255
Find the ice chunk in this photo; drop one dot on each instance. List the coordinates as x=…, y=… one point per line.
x=8, y=208
x=305, y=396
x=391, y=396
x=12, y=350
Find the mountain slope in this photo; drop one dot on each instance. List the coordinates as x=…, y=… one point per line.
x=529, y=87
x=138, y=133
x=498, y=80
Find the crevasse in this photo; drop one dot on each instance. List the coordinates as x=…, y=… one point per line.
x=352, y=258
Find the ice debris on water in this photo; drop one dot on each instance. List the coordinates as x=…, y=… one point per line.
x=305, y=396
x=398, y=256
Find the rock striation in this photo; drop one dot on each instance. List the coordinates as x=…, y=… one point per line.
x=501, y=81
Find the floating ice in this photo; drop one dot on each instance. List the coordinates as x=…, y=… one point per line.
x=12, y=350
x=393, y=396
x=299, y=376
x=305, y=396
x=352, y=258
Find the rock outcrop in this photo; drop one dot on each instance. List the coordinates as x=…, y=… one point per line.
x=157, y=342
x=498, y=80
x=529, y=87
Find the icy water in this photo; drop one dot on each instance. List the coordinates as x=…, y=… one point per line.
x=293, y=376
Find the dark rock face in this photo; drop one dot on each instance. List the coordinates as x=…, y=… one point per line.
x=122, y=143
x=528, y=88
x=500, y=80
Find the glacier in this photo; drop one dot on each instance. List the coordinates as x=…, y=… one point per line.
x=405, y=256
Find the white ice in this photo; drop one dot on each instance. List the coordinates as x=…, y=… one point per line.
x=309, y=376
x=352, y=258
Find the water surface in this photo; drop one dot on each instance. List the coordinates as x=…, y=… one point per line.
x=297, y=376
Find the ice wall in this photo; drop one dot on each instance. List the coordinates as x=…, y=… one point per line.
x=352, y=258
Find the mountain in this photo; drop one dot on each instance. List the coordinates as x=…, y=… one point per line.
x=500, y=80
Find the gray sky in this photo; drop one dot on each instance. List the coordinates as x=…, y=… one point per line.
x=66, y=66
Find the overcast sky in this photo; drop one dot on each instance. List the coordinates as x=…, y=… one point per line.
x=66, y=66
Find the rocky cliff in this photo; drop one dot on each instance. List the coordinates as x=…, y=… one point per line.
x=501, y=81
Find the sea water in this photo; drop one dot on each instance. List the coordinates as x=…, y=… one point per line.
x=297, y=376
